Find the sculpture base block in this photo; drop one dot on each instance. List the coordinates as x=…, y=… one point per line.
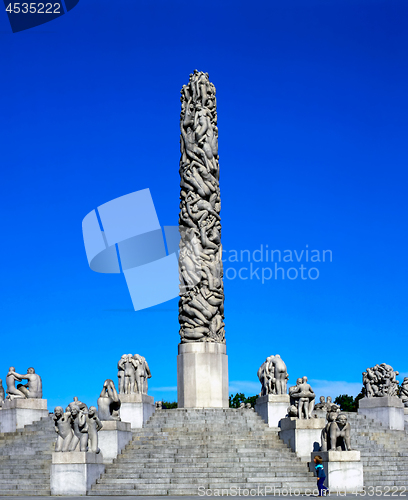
x=387, y=410
x=112, y=438
x=16, y=413
x=74, y=472
x=136, y=409
x=202, y=375
x=406, y=416
x=344, y=471
x=302, y=435
x=272, y=408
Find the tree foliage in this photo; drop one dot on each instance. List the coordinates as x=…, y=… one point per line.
x=235, y=401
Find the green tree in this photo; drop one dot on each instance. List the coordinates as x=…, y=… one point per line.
x=346, y=402
x=235, y=401
x=169, y=405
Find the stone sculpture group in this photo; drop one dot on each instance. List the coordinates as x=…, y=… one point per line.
x=302, y=399
x=380, y=380
x=133, y=373
x=273, y=376
x=31, y=390
x=201, y=305
x=77, y=428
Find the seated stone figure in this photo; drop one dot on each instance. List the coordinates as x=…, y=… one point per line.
x=109, y=402
x=62, y=422
x=322, y=404
x=338, y=434
x=31, y=390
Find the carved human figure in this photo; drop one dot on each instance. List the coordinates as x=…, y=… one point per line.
x=303, y=397
x=79, y=427
x=330, y=417
x=339, y=434
x=33, y=388
x=380, y=381
x=142, y=373
x=93, y=425
x=11, y=379
x=109, y=402
x=201, y=316
x=280, y=374
x=126, y=374
x=322, y=404
x=63, y=428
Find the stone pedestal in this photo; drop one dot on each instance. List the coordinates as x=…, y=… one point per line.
x=17, y=413
x=272, y=408
x=112, y=438
x=136, y=409
x=344, y=471
x=301, y=435
x=406, y=416
x=74, y=472
x=202, y=375
x=387, y=410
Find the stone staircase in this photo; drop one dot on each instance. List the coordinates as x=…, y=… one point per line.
x=384, y=453
x=25, y=460
x=180, y=451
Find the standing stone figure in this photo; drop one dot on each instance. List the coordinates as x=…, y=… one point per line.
x=63, y=428
x=79, y=427
x=201, y=305
x=302, y=398
x=142, y=373
x=94, y=425
x=108, y=402
x=126, y=374
x=273, y=376
x=31, y=390
x=380, y=380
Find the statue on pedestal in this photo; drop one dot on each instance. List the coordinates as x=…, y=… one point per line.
x=31, y=390
x=302, y=398
x=133, y=374
x=77, y=428
x=380, y=381
x=273, y=376
x=338, y=434
x=109, y=402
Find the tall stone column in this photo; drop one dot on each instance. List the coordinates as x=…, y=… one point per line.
x=202, y=362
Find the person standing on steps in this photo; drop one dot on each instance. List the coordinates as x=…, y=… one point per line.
x=321, y=475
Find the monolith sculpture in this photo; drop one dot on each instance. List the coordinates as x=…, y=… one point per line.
x=202, y=365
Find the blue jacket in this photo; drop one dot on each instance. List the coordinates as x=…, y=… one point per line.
x=320, y=471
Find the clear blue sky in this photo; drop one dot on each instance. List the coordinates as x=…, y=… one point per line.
x=312, y=108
